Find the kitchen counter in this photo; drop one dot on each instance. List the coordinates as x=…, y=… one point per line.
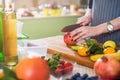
x=56, y=44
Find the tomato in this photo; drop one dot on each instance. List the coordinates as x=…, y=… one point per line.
x=32, y=69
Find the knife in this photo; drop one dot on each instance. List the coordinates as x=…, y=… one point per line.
x=70, y=28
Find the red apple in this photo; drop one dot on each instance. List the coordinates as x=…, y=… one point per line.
x=68, y=39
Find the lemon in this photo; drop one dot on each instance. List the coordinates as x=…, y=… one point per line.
x=109, y=43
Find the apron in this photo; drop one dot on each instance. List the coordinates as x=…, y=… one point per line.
x=104, y=11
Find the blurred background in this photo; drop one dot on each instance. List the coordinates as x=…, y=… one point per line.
x=49, y=7
x=40, y=17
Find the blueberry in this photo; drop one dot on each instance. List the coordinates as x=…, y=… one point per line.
x=75, y=76
x=88, y=78
x=79, y=78
x=94, y=77
x=84, y=76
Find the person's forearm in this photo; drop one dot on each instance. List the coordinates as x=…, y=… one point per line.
x=116, y=23
x=102, y=28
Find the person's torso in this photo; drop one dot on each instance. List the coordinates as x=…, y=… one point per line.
x=104, y=11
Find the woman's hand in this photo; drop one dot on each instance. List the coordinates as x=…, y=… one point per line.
x=84, y=32
x=86, y=19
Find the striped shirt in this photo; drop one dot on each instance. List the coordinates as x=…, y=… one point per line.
x=104, y=11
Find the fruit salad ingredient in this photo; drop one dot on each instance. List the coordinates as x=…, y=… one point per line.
x=109, y=50
x=109, y=43
x=82, y=51
x=75, y=47
x=85, y=76
x=68, y=67
x=97, y=56
x=32, y=69
x=59, y=67
x=65, y=67
x=68, y=39
x=107, y=68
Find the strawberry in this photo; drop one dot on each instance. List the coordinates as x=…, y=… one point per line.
x=59, y=70
x=62, y=62
x=68, y=67
x=64, y=68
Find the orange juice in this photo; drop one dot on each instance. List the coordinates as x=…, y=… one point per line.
x=10, y=38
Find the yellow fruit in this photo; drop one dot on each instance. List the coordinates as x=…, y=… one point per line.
x=82, y=51
x=109, y=43
x=97, y=56
x=109, y=50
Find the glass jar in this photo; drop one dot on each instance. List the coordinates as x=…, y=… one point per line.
x=9, y=38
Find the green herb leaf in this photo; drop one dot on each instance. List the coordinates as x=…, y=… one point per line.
x=93, y=47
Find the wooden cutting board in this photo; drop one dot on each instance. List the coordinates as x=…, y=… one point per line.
x=56, y=44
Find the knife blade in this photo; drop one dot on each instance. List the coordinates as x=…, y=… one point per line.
x=70, y=28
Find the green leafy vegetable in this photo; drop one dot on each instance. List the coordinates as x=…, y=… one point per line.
x=53, y=62
x=94, y=48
